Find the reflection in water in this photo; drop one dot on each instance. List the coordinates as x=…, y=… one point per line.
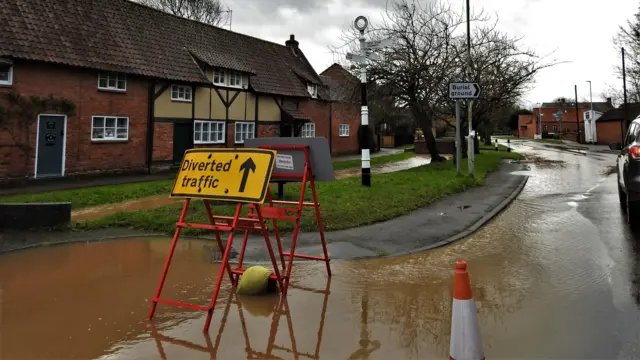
x=268, y=306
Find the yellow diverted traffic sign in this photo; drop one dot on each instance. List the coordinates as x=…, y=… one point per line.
x=240, y=175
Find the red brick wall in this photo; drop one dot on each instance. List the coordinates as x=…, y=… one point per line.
x=319, y=113
x=527, y=126
x=80, y=86
x=163, y=142
x=608, y=132
x=344, y=113
x=568, y=118
x=270, y=130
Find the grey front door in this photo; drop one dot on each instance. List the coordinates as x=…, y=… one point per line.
x=51, y=140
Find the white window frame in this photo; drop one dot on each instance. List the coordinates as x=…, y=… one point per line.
x=312, y=89
x=221, y=74
x=237, y=76
x=104, y=127
x=10, y=80
x=107, y=75
x=186, y=90
x=343, y=130
x=308, y=130
x=219, y=128
x=250, y=132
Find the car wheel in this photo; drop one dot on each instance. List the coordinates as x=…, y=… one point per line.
x=623, y=197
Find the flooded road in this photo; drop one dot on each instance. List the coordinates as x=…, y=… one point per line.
x=556, y=275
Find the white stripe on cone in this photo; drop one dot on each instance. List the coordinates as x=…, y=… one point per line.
x=465, y=332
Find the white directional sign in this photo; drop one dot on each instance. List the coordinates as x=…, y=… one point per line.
x=464, y=90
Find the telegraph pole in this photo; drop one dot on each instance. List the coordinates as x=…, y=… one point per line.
x=626, y=120
x=470, y=147
x=577, y=117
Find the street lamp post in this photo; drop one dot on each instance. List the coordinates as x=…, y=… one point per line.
x=361, y=24
x=591, y=118
x=470, y=139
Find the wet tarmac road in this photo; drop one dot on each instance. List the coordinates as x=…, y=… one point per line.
x=557, y=275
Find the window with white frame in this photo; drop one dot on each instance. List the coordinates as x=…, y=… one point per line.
x=219, y=77
x=6, y=74
x=344, y=130
x=312, y=89
x=108, y=80
x=308, y=130
x=587, y=115
x=208, y=132
x=181, y=93
x=109, y=128
x=228, y=78
x=244, y=130
x=235, y=79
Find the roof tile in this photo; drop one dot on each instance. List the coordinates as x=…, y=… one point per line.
x=120, y=35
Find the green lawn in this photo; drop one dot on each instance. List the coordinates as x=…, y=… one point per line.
x=505, y=137
x=111, y=194
x=345, y=202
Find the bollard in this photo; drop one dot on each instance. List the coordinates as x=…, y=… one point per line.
x=508, y=145
x=496, y=144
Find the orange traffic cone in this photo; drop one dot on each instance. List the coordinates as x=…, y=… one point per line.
x=465, y=331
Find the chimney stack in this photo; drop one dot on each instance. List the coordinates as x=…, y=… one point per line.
x=292, y=42
x=609, y=102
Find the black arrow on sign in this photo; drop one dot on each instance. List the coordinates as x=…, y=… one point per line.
x=246, y=166
x=477, y=89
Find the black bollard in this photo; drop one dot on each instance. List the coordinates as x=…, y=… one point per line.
x=496, y=144
x=508, y=145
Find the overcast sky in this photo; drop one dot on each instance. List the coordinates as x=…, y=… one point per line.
x=579, y=31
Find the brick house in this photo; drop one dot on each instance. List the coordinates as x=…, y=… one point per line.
x=610, y=126
x=553, y=113
x=148, y=85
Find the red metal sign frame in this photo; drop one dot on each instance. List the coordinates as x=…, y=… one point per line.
x=275, y=210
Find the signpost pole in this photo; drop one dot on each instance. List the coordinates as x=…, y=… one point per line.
x=457, y=92
x=458, y=149
x=361, y=24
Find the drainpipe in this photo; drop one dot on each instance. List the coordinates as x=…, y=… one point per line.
x=331, y=127
x=150, y=124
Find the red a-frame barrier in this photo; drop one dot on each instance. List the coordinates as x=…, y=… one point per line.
x=258, y=213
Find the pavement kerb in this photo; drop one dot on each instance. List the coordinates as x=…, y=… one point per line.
x=473, y=228
x=89, y=239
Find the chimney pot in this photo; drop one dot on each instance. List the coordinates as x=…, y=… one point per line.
x=292, y=43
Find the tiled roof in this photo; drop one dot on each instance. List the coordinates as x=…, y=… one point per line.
x=120, y=35
x=343, y=88
x=597, y=106
x=618, y=113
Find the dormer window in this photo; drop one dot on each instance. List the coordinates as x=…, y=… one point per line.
x=108, y=80
x=227, y=78
x=312, y=89
x=6, y=74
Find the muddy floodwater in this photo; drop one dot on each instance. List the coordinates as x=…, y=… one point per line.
x=556, y=275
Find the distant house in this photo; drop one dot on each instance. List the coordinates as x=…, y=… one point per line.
x=556, y=117
x=611, y=125
x=148, y=85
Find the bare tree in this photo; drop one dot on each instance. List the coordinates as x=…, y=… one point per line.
x=503, y=67
x=629, y=37
x=211, y=12
x=430, y=52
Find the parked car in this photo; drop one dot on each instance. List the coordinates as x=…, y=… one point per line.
x=628, y=169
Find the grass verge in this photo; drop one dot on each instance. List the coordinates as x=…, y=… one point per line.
x=112, y=194
x=345, y=202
